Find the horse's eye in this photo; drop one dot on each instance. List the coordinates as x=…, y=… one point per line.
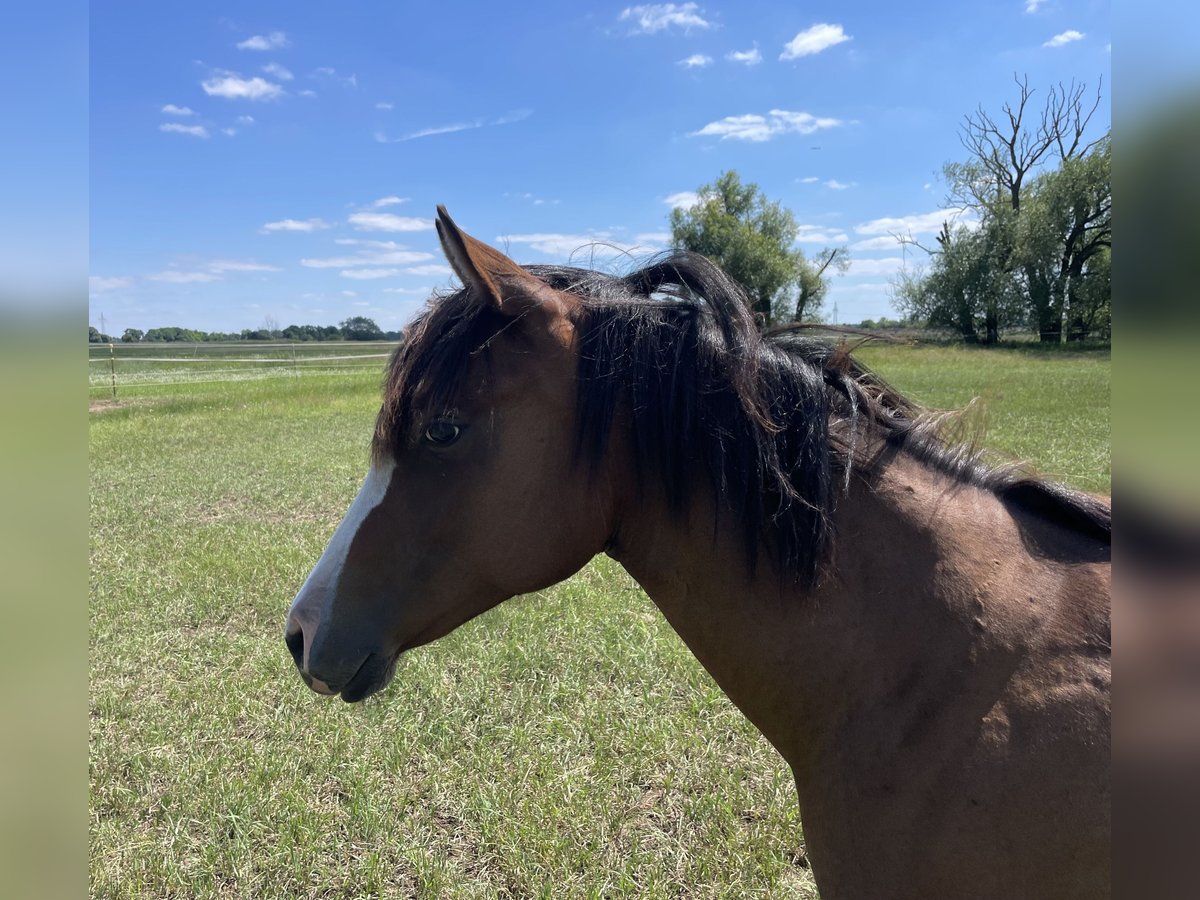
x=441, y=434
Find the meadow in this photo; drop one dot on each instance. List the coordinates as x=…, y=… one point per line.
x=565, y=744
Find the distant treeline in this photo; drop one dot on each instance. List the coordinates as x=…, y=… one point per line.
x=358, y=328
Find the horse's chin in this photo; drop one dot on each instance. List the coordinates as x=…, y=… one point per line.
x=373, y=676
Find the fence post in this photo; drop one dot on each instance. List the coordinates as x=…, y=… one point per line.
x=112, y=368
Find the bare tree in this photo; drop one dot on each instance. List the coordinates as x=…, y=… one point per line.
x=1004, y=150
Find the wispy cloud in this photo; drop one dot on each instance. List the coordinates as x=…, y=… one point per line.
x=383, y=104
x=596, y=244
x=280, y=72
x=1066, y=37
x=303, y=225
x=813, y=40
x=369, y=221
x=246, y=120
x=172, y=110
x=306, y=93
x=508, y=118
x=749, y=57
x=834, y=185
x=174, y=276
x=655, y=17
x=682, y=199
x=430, y=270
x=391, y=200
x=175, y=128
x=918, y=223
x=754, y=127
x=887, y=266
x=372, y=253
x=233, y=86
x=331, y=74
x=809, y=179
x=240, y=265
x=98, y=283
x=695, y=61
x=883, y=242
x=273, y=41
x=1031, y=6
x=366, y=274
x=819, y=234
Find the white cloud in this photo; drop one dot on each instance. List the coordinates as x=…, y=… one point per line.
x=391, y=200
x=383, y=104
x=349, y=293
x=307, y=93
x=834, y=185
x=404, y=290
x=364, y=274
x=98, y=283
x=433, y=269
x=240, y=265
x=654, y=237
x=695, y=61
x=749, y=57
x=508, y=118
x=814, y=40
x=172, y=110
x=753, y=127
x=682, y=199
x=918, y=223
x=305, y=225
x=246, y=120
x=1065, y=38
x=883, y=242
x=887, y=266
x=229, y=132
x=175, y=128
x=1031, y=6
x=173, y=276
x=327, y=72
x=233, y=86
x=374, y=253
x=367, y=221
x=819, y=234
x=273, y=41
x=280, y=72
x=655, y=17
x=597, y=244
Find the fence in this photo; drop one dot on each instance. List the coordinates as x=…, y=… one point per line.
x=112, y=367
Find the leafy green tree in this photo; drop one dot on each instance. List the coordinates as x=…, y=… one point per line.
x=753, y=239
x=360, y=328
x=968, y=286
x=132, y=335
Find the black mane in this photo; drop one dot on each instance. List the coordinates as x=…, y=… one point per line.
x=775, y=423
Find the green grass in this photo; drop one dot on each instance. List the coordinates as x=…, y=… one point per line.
x=565, y=744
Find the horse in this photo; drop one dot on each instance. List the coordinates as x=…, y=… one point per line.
x=924, y=636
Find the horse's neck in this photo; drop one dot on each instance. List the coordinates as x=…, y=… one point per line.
x=799, y=664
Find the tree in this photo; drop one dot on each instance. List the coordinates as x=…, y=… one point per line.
x=360, y=328
x=968, y=288
x=96, y=336
x=752, y=238
x=132, y=336
x=1044, y=229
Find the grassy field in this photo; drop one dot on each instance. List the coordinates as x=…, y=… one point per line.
x=565, y=744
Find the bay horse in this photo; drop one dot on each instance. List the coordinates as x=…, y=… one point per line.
x=924, y=637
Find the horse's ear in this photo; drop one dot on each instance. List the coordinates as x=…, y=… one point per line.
x=491, y=275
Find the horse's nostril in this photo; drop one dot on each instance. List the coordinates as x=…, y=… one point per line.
x=295, y=642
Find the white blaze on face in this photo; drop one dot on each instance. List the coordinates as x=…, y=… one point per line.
x=312, y=604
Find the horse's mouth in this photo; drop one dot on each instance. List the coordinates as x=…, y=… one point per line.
x=372, y=676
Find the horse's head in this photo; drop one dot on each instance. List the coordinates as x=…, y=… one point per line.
x=473, y=495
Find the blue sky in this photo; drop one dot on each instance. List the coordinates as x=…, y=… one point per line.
x=282, y=161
